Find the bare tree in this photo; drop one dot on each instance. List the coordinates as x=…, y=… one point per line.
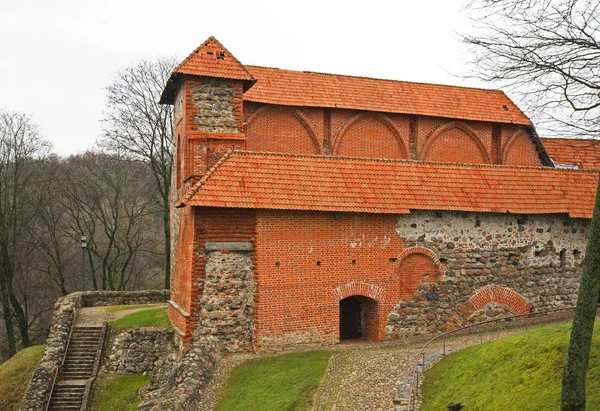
x=548, y=51
x=110, y=200
x=138, y=127
x=22, y=149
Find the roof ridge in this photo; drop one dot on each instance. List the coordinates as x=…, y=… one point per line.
x=408, y=161
x=380, y=79
x=204, y=44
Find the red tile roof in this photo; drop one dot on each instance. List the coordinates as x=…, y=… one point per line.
x=303, y=182
x=301, y=88
x=584, y=153
x=209, y=59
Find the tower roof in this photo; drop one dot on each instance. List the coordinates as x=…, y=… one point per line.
x=210, y=59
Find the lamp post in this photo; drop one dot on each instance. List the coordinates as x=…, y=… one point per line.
x=83, y=250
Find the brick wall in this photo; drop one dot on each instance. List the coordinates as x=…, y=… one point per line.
x=197, y=226
x=302, y=257
x=383, y=135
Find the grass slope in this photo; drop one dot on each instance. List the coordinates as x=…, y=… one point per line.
x=284, y=382
x=115, y=308
x=118, y=392
x=15, y=375
x=156, y=317
x=520, y=372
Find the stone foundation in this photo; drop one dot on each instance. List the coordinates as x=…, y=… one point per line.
x=227, y=300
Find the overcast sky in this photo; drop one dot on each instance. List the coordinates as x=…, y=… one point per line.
x=57, y=56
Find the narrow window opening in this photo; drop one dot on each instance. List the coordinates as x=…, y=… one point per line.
x=393, y=260
x=563, y=257
x=318, y=263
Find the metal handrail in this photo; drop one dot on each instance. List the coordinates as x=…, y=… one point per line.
x=414, y=389
x=58, y=368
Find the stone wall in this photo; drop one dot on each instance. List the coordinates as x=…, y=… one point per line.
x=181, y=380
x=213, y=98
x=539, y=257
x=138, y=350
x=227, y=299
x=38, y=391
x=102, y=298
x=65, y=312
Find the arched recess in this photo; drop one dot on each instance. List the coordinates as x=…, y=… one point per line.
x=519, y=150
x=370, y=135
x=281, y=130
x=359, y=288
x=415, y=265
x=500, y=295
x=455, y=142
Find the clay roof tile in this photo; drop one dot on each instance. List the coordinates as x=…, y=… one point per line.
x=304, y=182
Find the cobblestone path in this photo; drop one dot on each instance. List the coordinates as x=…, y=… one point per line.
x=368, y=376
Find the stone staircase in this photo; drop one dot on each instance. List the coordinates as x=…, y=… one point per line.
x=78, y=368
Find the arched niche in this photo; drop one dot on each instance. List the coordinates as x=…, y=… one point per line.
x=455, y=142
x=369, y=135
x=280, y=130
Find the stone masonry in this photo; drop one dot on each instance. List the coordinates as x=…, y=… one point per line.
x=216, y=112
x=138, y=350
x=227, y=299
x=539, y=257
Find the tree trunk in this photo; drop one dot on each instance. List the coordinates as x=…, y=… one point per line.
x=10, y=331
x=167, y=231
x=575, y=371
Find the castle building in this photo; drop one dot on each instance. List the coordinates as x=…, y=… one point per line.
x=310, y=208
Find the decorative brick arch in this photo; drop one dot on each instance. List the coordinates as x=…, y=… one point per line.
x=295, y=113
x=493, y=294
x=440, y=131
x=359, y=288
x=509, y=146
x=441, y=268
x=361, y=116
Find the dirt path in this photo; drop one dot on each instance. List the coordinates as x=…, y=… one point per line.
x=95, y=316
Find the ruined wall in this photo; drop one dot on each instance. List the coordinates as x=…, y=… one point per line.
x=227, y=299
x=137, y=350
x=538, y=257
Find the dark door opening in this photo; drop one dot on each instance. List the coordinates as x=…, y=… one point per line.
x=350, y=318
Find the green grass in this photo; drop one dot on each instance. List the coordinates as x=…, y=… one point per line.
x=15, y=375
x=156, y=317
x=520, y=372
x=114, y=308
x=282, y=383
x=118, y=392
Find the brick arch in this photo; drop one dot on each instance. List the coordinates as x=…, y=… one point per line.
x=471, y=135
x=413, y=265
x=493, y=294
x=270, y=139
x=425, y=251
x=359, y=288
x=369, y=149
x=520, y=150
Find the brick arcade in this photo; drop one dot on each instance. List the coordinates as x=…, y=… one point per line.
x=312, y=207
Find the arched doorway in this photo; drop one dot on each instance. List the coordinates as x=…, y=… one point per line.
x=358, y=318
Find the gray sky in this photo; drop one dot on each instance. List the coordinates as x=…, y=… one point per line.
x=57, y=56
